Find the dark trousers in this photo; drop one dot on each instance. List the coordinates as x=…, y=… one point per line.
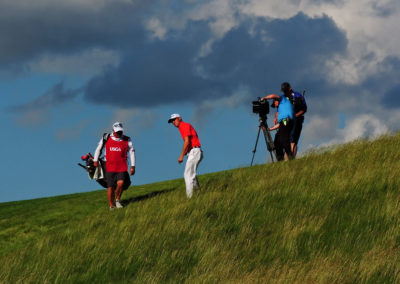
x=296, y=130
x=282, y=141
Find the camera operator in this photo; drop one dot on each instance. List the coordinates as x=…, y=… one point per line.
x=284, y=121
x=300, y=108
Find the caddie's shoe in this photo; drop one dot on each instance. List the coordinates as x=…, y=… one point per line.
x=112, y=208
x=118, y=204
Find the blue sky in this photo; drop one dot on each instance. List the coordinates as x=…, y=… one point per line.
x=69, y=70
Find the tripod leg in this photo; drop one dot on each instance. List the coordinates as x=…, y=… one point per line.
x=272, y=157
x=268, y=140
x=255, y=146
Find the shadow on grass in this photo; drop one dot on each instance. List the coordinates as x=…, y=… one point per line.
x=125, y=202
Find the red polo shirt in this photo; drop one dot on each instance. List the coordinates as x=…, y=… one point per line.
x=187, y=130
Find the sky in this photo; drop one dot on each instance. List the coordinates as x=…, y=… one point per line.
x=69, y=69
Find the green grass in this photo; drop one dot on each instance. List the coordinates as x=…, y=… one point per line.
x=330, y=217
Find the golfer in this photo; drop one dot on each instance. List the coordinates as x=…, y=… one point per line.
x=117, y=147
x=191, y=148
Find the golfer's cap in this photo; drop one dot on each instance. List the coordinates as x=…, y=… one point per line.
x=173, y=116
x=117, y=126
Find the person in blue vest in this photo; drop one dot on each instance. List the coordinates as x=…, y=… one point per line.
x=284, y=124
x=300, y=108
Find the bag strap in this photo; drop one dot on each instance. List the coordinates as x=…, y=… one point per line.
x=106, y=136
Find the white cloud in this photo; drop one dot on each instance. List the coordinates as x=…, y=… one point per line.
x=71, y=133
x=365, y=125
x=369, y=24
x=326, y=131
x=348, y=70
x=371, y=27
x=134, y=120
x=207, y=107
x=157, y=29
x=220, y=12
x=92, y=5
x=33, y=118
x=320, y=127
x=223, y=20
x=48, y=33
x=87, y=63
x=272, y=9
x=393, y=119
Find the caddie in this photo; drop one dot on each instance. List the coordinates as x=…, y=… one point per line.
x=192, y=149
x=117, y=146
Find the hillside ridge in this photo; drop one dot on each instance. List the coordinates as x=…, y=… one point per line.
x=326, y=217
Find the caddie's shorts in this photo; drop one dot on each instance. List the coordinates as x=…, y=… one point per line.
x=113, y=177
x=296, y=130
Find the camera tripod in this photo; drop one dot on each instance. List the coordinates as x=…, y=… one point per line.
x=268, y=139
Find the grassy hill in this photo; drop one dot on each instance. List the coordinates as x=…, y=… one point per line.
x=331, y=217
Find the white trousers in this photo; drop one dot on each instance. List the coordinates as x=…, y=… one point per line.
x=194, y=157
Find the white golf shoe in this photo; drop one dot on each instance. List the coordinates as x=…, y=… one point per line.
x=118, y=204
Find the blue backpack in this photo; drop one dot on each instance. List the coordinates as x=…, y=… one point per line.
x=299, y=102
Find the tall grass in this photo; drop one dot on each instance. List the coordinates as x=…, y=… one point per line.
x=326, y=218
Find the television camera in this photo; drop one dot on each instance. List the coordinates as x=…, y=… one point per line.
x=261, y=107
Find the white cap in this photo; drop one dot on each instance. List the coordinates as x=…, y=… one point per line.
x=173, y=116
x=117, y=126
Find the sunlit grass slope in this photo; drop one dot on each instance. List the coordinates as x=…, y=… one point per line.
x=325, y=218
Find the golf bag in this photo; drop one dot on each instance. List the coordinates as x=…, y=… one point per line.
x=99, y=173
